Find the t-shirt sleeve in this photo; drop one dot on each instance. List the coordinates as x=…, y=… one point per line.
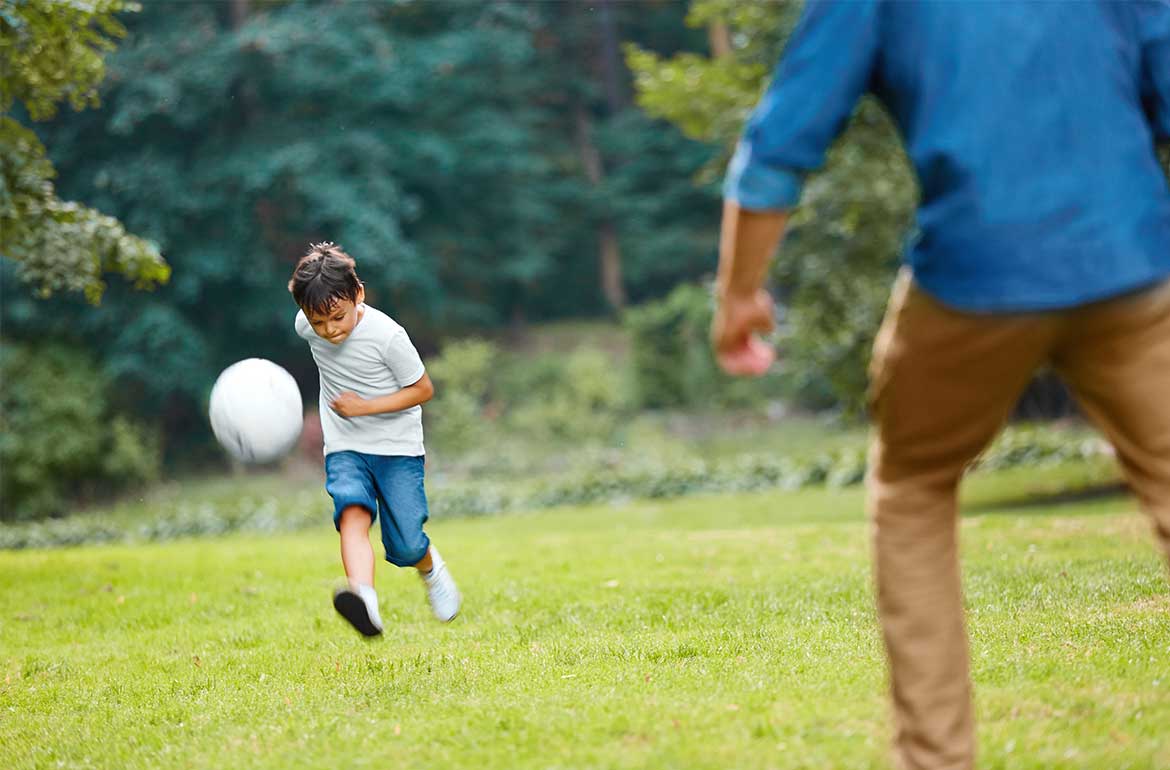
x=301, y=325
x=402, y=359
x=826, y=67
x=1155, y=24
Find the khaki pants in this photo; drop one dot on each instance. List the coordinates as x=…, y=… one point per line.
x=942, y=385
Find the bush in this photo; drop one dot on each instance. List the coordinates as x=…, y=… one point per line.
x=672, y=362
x=525, y=377
x=586, y=402
x=573, y=396
x=612, y=480
x=1035, y=446
x=58, y=437
x=463, y=373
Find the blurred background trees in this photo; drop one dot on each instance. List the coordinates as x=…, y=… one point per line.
x=493, y=167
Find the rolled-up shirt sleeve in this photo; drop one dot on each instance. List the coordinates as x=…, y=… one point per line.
x=825, y=69
x=1155, y=24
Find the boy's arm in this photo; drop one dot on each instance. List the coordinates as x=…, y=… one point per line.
x=350, y=404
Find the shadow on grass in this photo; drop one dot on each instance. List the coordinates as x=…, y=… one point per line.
x=1042, y=503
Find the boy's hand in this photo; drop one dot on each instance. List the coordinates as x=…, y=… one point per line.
x=349, y=404
x=738, y=320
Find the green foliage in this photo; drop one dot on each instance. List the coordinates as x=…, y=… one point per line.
x=1036, y=446
x=522, y=376
x=577, y=396
x=58, y=437
x=670, y=88
x=666, y=338
x=463, y=374
x=710, y=98
x=665, y=219
x=844, y=241
x=586, y=402
x=435, y=142
x=52, y=52
x=835, y=268
x=672, y=363
x=59, y=245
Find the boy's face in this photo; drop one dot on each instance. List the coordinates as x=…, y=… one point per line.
x=337, y=324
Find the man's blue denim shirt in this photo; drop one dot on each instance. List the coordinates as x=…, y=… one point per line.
x=1031, y=125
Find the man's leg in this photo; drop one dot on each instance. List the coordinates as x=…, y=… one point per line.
x=1116, y=357
x=942, y=385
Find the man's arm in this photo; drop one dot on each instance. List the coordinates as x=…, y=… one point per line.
x=826, y=67
x=350, y=404
x=748, y=240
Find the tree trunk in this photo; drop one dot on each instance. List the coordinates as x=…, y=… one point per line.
x=239, y=12
x=601, y=60
x=720, y=40
x=615, y=95
x=609, y=252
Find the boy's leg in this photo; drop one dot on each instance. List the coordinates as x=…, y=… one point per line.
x=942, y=385
x=403, y=511
x=426, y=563
x=357, y=555
x=1116, y=357
x=349, y=481
x=402, y=507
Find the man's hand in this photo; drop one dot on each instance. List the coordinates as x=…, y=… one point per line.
x=349, y=404
x=739, y=319
x=746, y=242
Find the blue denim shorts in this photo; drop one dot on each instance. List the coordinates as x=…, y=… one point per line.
x=391, y=488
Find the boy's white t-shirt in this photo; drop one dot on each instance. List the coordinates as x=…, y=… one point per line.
x=376, y=359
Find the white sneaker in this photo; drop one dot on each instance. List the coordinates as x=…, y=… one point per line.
x=359, y=605
x=441, y=591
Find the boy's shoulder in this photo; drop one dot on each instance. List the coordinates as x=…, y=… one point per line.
x=379, y=321
x=301, y=324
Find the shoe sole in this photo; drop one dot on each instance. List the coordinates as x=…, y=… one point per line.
x=351, y=607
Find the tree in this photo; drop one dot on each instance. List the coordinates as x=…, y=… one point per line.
x=844, y=241
x=437, y=142
x=52, y=51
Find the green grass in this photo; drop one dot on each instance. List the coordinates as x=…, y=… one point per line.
x=707, y=632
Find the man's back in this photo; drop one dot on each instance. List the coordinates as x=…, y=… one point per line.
x=1031, y=126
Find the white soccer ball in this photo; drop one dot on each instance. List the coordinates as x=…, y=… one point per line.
x=256, y=411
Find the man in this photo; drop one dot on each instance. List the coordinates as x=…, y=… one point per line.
x=1043, y=238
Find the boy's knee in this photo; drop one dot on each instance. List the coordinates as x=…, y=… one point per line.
x=356, y=512
x=353, y=515
x=409, y=553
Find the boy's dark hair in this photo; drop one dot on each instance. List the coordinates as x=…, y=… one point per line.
x=323, y=277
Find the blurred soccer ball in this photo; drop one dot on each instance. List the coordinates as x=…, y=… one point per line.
x=256, y=411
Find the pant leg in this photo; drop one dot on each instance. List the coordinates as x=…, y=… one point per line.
x=349, y=480
x=942, y=385
x=402, y=508
x=1116, y=358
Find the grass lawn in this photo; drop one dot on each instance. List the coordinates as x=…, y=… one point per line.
x=707, y=632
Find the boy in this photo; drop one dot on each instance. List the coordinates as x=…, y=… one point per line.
x=372, y=387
